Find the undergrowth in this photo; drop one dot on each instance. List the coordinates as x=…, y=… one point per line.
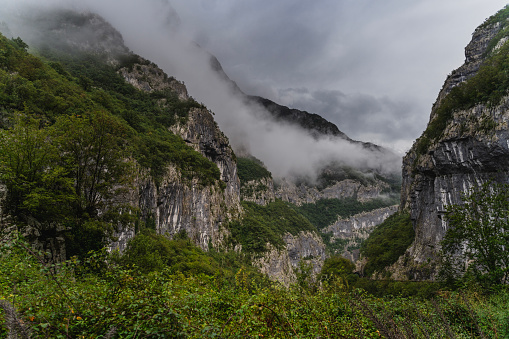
x=97, y=299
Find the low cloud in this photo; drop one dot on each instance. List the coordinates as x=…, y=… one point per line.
x=151, y=29
x=380, y=120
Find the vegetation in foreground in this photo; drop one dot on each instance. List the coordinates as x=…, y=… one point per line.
x=98, y=298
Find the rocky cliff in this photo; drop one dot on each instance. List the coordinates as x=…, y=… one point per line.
x=352, y=231
x=177, y=204
x=260, y=191
x=282, y=265
x=302, y=193
x=465, y=144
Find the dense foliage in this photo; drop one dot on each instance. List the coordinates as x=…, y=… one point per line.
x=478, y=235
x=74, y=173
x=78, y=84
x=334, y=267
x=251, y=169
x=266, y=224
x=148, y=252
x=96, y=299
x=388, y=242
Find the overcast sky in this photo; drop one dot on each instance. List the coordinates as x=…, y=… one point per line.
x=372, y=67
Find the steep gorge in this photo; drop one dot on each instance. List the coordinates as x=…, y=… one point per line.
x=176, y=198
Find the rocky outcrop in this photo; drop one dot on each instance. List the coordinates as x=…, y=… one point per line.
x=346, y=228
x=178, y=204
x=281, y=265
x=147, y=77
x=201, y=132
x=357, y=229
x=287, y=190
x=475, y=52
x=259, y=191
x=473, y=148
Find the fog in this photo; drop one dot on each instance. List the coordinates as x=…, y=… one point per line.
x=151, y=28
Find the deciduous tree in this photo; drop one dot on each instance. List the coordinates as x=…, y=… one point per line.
x=477, y=240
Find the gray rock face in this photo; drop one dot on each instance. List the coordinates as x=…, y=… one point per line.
x=302, y=194
x=472, y=149
x=150, y=78
x=474, y=56
x=202, y=133
x=360, y=224
x=357, y=229
x=260, y=191
x=179, y=204
x=281, y=265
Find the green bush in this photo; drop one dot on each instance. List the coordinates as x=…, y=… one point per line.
x=149, y=252
x=336, y=267
x=53, y=301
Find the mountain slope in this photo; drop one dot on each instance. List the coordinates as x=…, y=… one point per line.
x=464, y=145
x=179, y=185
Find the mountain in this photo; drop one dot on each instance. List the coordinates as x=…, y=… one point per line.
x=181, y=173
x=315, y=124
x=464, y=145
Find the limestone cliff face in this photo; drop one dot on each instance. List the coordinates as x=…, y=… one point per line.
x=302, y=193
x=281, y=265
x=357, y=229
x=178, y=204
x=150, y=78
x=202, y=133
x=259, y=191
x=472, y=149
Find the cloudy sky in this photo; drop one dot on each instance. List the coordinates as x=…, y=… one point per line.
x=372, y=67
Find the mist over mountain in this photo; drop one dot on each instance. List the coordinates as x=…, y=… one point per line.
x=152, y=29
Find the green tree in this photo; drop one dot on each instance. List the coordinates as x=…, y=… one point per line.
x=476, y=242
x=77, y=173
x=37, y=186
x=335, y=267
x=95, y=153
